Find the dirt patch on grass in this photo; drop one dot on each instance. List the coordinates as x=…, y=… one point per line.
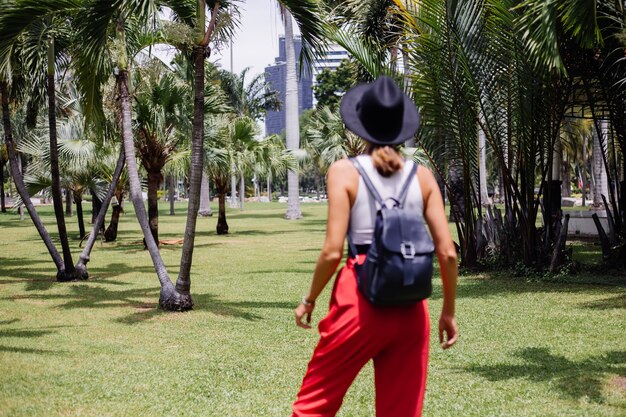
x=618, y=383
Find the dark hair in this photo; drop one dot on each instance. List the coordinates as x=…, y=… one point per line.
x=386, y=159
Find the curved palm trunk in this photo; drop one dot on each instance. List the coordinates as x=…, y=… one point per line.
x=19, y=182
x=292, y=128
x=83, y=259
x=57, y=199
x=154, y=179
x=169, y=298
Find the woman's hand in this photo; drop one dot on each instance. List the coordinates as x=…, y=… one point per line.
x=447, y=325
x=301, y=311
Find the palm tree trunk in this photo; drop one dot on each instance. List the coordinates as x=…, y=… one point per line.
x=96, y=204
x=154, y=180
x=482, y=168
x=233, y=191
x=222, y=226
x=183, y=283
x=78, y=199
x=110, y=234
x=599, y=175
x=205, y=197
x=242, y=192
x=2, y=202
x=83, y=259
x=171, y=193
x=19, y=182
x=292, y=128
x=68, y=202
x=169, y=298
x=57, y=199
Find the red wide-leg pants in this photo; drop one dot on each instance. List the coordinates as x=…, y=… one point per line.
x=353, y=332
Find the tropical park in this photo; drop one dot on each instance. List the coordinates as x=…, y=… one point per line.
x=155, y=241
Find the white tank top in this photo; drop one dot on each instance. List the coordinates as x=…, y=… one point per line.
x=363, y=212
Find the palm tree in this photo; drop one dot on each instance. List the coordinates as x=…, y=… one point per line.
x=161, y=108
x=229, y=142
x=292, y=129
x=251, y=99
x=16, y=173
x=307, y=15
x=41, y=27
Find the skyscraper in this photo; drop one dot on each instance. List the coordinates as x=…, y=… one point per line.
x=275, y=75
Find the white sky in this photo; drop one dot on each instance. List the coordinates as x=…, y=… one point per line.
x=256, y=41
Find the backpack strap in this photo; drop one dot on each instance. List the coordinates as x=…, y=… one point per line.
x=405, y=188
x=367, y=181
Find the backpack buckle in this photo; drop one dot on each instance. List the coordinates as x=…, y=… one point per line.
x=408, y=250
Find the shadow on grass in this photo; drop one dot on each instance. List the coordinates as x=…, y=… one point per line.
x=610, y=303
x=209, y=303
x=32, y=271
x=493, y=287
x=315, y=222
x=280, y=271
x=25, y=333
x=95, y=296
x=251, y=232
x=12, y=349
x=237, y=309
x=574, y=379
x=277, y=214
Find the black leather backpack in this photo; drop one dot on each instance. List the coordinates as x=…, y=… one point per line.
x=399, y=265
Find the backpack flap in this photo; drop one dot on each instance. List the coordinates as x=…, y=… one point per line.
x=408, y=238
x=401, y=234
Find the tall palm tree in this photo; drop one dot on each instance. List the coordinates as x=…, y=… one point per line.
x=307, y=15
x=292, y=128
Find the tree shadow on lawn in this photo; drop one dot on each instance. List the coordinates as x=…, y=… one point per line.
x=209, y=303
x=610, y=303
x=252, y=232
x=26, y=333
x=278, y=214
x=96, y=296
x=238, y=309
x=493, y=287
x=30, y=271
x=575, y=379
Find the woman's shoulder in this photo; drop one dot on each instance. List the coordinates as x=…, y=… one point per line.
x=341, y=166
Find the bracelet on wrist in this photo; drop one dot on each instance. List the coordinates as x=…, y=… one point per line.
x=307, y=302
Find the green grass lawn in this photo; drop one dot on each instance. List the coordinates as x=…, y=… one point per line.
x=102, y=348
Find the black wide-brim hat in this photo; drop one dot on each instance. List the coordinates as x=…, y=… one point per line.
x=380, y=112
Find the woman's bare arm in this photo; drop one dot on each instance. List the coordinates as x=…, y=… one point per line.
x=341, y=189
x=435, y=215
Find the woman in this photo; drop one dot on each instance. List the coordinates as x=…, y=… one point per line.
x=355, y=331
